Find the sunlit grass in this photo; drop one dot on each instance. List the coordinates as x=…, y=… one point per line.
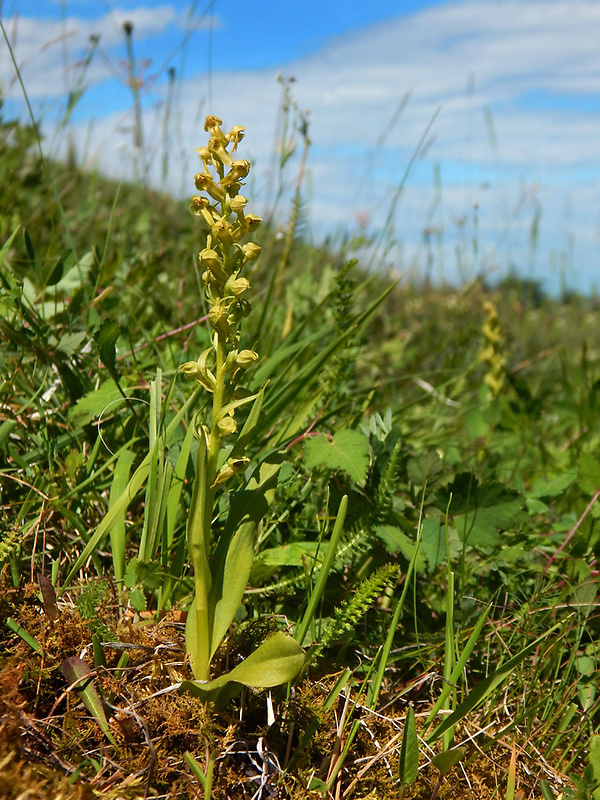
x=427, y=529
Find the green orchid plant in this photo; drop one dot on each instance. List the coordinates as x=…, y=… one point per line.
x=222, y=562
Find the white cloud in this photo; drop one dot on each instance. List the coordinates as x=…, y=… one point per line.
x=47, y=52
x=463, y=56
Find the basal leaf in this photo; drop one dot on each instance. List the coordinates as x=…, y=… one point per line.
x=277, y=660
x=234, y=555
x=347, y=450
x=448, y=758
x=408, y=767
x=80, y=677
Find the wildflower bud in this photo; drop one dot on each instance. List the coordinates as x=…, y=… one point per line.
x=252, y=221
x=247, y=358
x=237, y=286
x=209, y=258
x=204, y=182
x=218, y=318
x=212, y=124
x=204, y=154
x=241, y=167
x=236, y=135
x=199, y=203
x=198, y=372
x=237, y=203
x=222, y=231
x=190, y=369
x=227, y=426
x=230, y=365
x=238, y=170
x=232, y=467
x=202, y=208
x=209, y=279
x=217, y=150
x=251, y=251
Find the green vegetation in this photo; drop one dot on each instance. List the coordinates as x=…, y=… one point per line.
x=376, y=508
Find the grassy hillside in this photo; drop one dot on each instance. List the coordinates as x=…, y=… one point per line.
x=400, y=480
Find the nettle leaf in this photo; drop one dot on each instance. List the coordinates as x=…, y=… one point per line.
x=347, y=450
x=479, y=512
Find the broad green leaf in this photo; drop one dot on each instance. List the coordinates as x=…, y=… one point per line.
x=448, y=758
x=234, y=555
x=53, y=270
x=70, y=342
x=535, y=506
x=75, y=273
x=408, y=768
x=424, y=468
x=79, y=676
x=277, y=660
x=348, y=451
x=147, y=573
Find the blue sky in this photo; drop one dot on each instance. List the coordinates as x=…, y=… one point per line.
x=514, y=86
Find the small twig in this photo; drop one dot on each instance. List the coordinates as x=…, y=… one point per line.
x=162, y=336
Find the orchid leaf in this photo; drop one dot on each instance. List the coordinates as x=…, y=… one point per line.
x=277, y=660
x=80, y=679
